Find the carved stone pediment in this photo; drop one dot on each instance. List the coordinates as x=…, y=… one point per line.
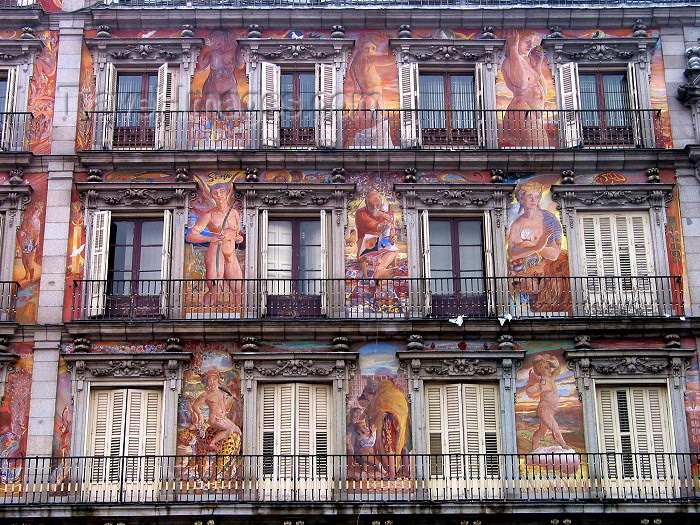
x=321, y=196
x=19, y=50
x=336, y=50
x=464, y=197
x=151, y=195
x=324, y=367
x=446, y=51
x=604, y=364
x=600, y=49
x=156, y=50
x=166, y=367
x=455, y=366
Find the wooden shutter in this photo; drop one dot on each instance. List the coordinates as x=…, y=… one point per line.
x=641, y=121
x=98, y=262
x=166, y=262
x=166, y=104
x=570, y=104
x=425, y=260
x=270, y=104
x=106, y=120
x=262, y=262
x=268, y=430
x=408, y=100
x=13, y=133
x=325, y=263
x=433, y=399
x=483, y=120
x=106, y=433
x=326, y=104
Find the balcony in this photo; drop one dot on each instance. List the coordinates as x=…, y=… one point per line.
x=398, y=298
x=8, y=300
x=14, y=131
x=375, y=130
x=457, y=478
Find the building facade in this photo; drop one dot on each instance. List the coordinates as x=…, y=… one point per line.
x=339, y=262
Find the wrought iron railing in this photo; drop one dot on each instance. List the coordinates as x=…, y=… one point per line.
x=8, y=300
x=357, y=478
x=14, y=131
x=375, y=129
x=363, y=298
x=14, y=4
x=390, y=3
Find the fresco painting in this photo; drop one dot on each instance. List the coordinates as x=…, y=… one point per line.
x=548, y=413
x=536, y=248
x=375, y=250
x=42, y=90
x=63, y=424
x=29, y=246
x=692, y=407
x=378, y=417
x=14, y=418
x=210, y=414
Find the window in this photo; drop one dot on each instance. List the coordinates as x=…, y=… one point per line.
x=138, y=108
x=634, y=432
x=294, y=264
x=617, y=259
x=12, y=201
x=124, y=422
x=11, y=125
x=455, y=264
x=129, y=262
x=463, y=434
x=447, y=104
x=298, y=106
x=294, y=436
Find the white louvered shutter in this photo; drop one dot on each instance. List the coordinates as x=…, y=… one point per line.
x=106, y=433
x=142, y=436
x=165, y=262
x=569, y=96
x=436, y=431
x=425, y=261
x=166, y=104
x=107, y=119
x=483, y=120
x=13, y=133
x=268, y=430
x=642, y=125
x=263, y=260
x=325, y=264
x=98, y=263
x=457, y=439
x=311, y=429
x=270, y=104
x=326, y=104
x=408, y=100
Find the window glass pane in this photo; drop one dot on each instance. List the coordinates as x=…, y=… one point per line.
x=440, y=258
x=431, y=99
x=123, y=232
x=470, y=232
x=307, y=95
x=440, y=232
x=3, y=93
x=150, y=259
x=128, y=100
x=589, y=99
x=121, y=258
x=279, y=251
x=462, y=90
x=152, y=233
x=310, y=232
x=616, y=96
x=470, y=259
x=279, y=232
x=286, y=98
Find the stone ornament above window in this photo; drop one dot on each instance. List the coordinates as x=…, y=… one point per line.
x=426, y=50
x=336, y=50
x=118, y=195
x=150, y=51
x=595, y=50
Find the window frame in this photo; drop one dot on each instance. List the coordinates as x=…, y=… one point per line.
x=487, y=201
x=173, y=58
x=633, y=55
x=90, y=371
x=265, y=58
x=133, y=199
x=472, y=56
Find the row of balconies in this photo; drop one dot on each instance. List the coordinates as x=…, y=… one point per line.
x=374, y=129
x=509, y=478
x=396, y=298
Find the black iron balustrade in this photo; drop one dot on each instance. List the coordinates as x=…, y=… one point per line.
x=407, y=478
x=387, y=3
x=366, y=298
x=14, y=4
x=14, y=131
x=376, y=129
x=8, y=300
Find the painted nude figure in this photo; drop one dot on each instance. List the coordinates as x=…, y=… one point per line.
x=220, y=89
x=215, y=397
x=522, y=72
x=542, y=384
x=223, y=223
x=363, y=72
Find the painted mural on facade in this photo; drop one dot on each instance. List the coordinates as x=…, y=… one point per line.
x=14, y=416
x=378, y=417
x=524, y=87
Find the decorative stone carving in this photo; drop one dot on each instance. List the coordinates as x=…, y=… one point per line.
x=182, y=175
x=294, y=368
x=94, y=175
x=337, y=32
x=497, y=176
x=3, y=345
x=16, y=176
x=335, y=50
x=410, y=176
x=567, y=177
x=252, y=174
x=104, y=32
x=653, y=176
x=438, y=50
x=405, y=31
x=22, y=50
x=341, y=344
x=672, y=341
x=28, y=33
x=173, y=344
x=582, y=342
x=414, y=342
x=249, y=344
x=506, y=342
x=600, y=50
x=187, y=31
x=338, y=175
x=254, y=31
x=82, y=344
x=555, y=32
x=138, y=195
x=630, y=365
x=461, y=367
x=640, y=29
x=275, y=195
x=487, y=33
